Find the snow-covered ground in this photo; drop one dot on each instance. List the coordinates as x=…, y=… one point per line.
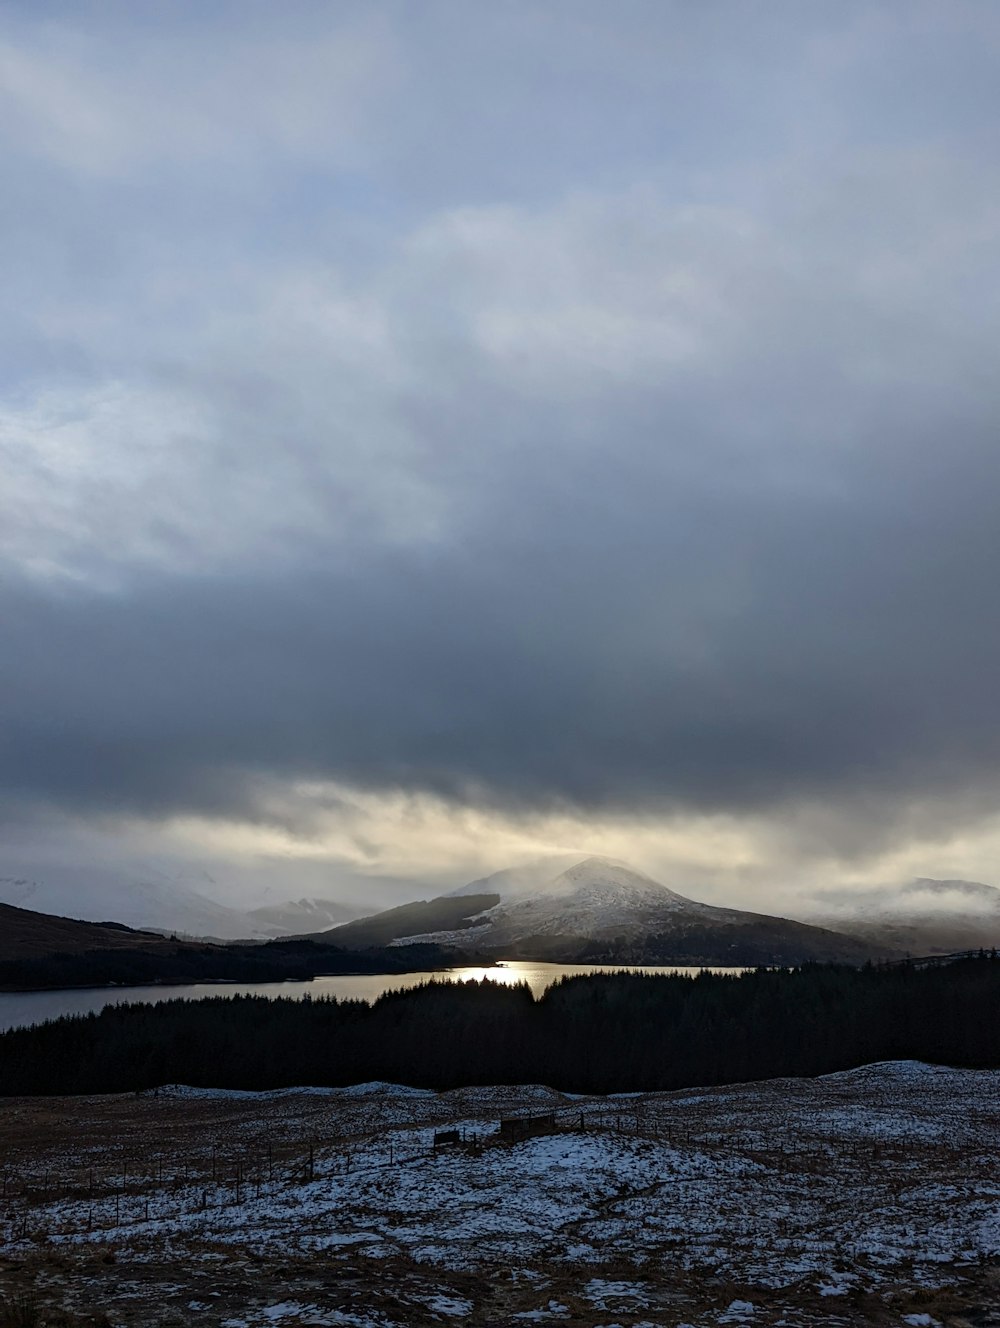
x=867, y=1197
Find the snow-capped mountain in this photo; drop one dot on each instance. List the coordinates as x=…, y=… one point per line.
x=170, y=902
x=924, y=916
x=595, y=899
x=158, y=901
x=597, y=908
x=520, y=882
x=299, y=915
x=970, y=894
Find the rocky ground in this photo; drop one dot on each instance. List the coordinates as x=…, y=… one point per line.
x=870, y=1197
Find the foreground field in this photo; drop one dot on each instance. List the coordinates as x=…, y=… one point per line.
x=869, y=1197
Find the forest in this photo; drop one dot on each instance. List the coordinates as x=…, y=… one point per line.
x=603, y=1033
x=272, y=961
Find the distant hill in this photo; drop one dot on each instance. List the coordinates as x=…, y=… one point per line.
x=924, y=916
x=601, y=910
x=173, y=903
x=158, y=901
x=41, y=951
x=448, y=913
x=25, y=934
x=523, y=881
x=300, y=915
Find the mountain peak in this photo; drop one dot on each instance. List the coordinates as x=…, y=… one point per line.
x=589, y=907
x=609, y=878
x=596, y=862
x=973, y=889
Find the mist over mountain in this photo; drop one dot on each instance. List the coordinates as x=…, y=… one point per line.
x=297, y=915
x=174, y=903
x=922, y=916
x=521, y=881
x=561, y=905
x=598, y=909
x=167, y=902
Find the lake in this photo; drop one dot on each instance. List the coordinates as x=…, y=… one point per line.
x=22, y=1008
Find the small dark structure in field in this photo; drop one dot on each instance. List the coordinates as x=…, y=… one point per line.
x=442, y=1138
x=514, y=1128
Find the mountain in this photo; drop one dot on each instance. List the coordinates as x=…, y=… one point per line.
x=970, y=893
x=25, y=934
x=160, y=900
x=924, y=916
x=447, y=915
x=174, y=902
x=299, y=915
x=519, y=882
x=601, y=910
x=40, y=951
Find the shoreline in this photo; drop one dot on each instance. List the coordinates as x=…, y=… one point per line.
x=229, y=982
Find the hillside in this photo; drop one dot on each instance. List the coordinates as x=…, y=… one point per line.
x=924, y=916
x=295, y=916
x=25, y=934
x=39, y=951
x=178, y=903
x=860, y=1199
x=449, y=914
x=601, y=910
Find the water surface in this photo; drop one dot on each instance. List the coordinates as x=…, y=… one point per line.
x=19, y=1009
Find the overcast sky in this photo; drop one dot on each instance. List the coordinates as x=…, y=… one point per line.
x=437, y=434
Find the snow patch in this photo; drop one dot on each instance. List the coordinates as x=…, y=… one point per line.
x=375, y=1088
x=739, y=1311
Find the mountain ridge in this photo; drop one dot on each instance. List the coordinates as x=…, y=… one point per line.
x=924, y=916
x=603, y=909
x=25, y=933
x=168, y=903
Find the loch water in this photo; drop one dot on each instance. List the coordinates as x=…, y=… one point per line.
x=22, y=1009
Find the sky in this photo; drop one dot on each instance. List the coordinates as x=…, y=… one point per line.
x=434, y=436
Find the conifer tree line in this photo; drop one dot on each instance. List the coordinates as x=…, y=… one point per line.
x=597, y=1034
x=185, y=961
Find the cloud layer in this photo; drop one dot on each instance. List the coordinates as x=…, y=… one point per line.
x=546, y=412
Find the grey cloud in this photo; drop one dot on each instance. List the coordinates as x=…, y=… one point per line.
x=670, y=484
x=610, y=642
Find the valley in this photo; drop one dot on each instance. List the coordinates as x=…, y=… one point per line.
x=593, y=911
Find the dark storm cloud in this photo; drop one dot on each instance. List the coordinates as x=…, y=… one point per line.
x=615, y=636
x=626, y=440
